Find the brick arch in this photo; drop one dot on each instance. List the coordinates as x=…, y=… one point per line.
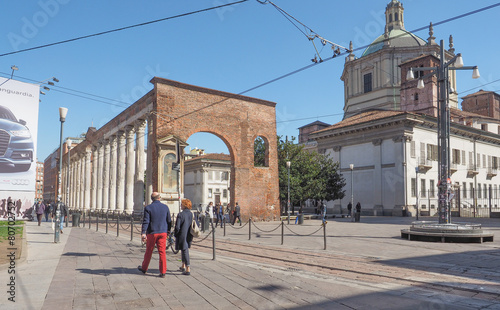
x=181, y=110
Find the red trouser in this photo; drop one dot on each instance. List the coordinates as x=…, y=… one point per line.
x=160, y=240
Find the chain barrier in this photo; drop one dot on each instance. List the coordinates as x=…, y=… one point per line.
x=266, y=231
x=321, y=227
x=112, y=226
x=121, y=226
x=198, y=241
x=138, y=229
x=232, y=226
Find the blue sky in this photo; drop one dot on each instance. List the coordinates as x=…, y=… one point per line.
x=230, y=49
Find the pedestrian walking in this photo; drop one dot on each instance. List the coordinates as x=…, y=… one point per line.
x=220, y=215
x=323, y=213
x=48, y=211
x=237, y=214
x=155, y=227
x=358, y=212
x=349, y=209
x=183, y=236
x=63, y=213
x=39, y=210
x=210, y=212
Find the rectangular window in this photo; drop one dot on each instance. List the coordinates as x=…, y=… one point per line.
x=432, y=192
x=209, y=193
x=494, y=162
x=432, y=152
x=463, y=157
x=455, y=156
x=471, y=186
x=478, y=163
x=479, y=190
x=413, y=189
x=423, y=190
x=490, y=165
x=484, y=160
x=224, y=193
x=412, y=149
x=485, y=191
x=367, y=79
x=464, y=190
x=471, y=159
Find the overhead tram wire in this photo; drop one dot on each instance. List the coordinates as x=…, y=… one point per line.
x=305, y=67
x=122, y=28
x=313, y=34
x=314, y=64
x=84, y=95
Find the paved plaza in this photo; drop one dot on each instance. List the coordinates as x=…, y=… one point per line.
x=365, y=266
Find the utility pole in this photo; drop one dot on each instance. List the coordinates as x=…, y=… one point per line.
x=443, y=119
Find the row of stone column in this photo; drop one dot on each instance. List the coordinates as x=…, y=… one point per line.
x=110, y=174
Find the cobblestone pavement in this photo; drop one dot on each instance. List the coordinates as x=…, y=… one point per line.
x=365, y=266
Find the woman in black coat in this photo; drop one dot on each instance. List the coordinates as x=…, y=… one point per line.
x=183, y=235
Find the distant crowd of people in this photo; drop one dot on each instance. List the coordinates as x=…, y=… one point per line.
x=221, y=214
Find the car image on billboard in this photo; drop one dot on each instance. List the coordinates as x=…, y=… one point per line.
x=16, y=143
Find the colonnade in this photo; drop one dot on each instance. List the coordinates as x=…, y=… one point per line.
x=109, y=174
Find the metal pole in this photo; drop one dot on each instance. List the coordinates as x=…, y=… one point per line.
x=249, y=228
x=352, y=193
x=416, y=188
x=107, y=221
x=118, y=225
x=324, y=236
x=288, y=201
x=67, y=179
x=443, y=141
x=213, y=241
x=131, y=227
x=282, y=232
x=59, y=178
x=489, y=198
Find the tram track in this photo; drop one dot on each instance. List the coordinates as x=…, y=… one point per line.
x=351, y=267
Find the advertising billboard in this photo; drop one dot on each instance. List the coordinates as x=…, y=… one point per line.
x=18, y=137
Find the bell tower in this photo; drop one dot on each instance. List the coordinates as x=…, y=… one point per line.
x=394, y=18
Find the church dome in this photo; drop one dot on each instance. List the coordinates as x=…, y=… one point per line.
x=397, y=38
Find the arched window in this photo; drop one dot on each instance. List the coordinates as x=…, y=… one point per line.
x=390, y=18
x=396, y=17
x=170, y=177
x=260, y=152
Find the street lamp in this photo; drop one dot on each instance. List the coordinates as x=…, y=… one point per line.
x=62, y=118
x=68, y=146
x=442, y=74
x=288, y=163
x=351, y=166
x=416, y=187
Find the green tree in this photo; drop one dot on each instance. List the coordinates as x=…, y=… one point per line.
x=312, y=175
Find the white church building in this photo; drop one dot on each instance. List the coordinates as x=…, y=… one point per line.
x=389, y=132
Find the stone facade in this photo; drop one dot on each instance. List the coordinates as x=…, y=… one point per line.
x=207, y=179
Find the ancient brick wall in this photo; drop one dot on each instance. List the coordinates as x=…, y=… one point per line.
x=183, y=110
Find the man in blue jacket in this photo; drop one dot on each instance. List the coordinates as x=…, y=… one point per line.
x=155, y=226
